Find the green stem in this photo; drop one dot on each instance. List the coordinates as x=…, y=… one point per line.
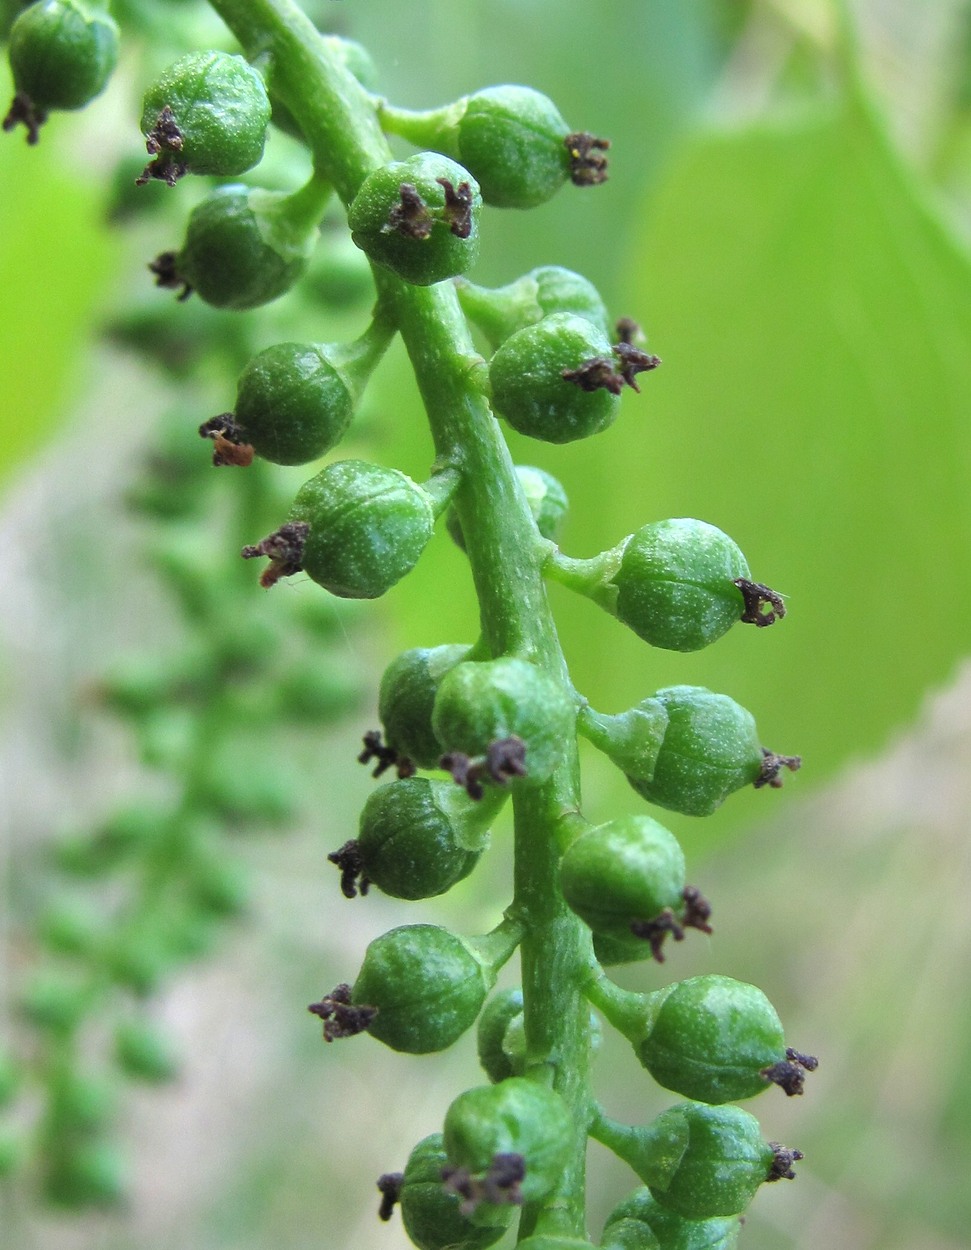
x=506, y=555
x=593, y=578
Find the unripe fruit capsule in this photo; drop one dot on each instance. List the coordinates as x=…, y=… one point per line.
x=292, y=403
x=427, y=984
x=710, y=748
x=419, y=837
x=546, y=499
x=368, y=527
x=207, y=114
x=626, y=870
x=240, y=250
x=62, y=53
x=517, y=1116
x=501, y=311
x=419, y=218
x=479, y=703
x=500, y=1040
x=431, y=1212
x=528, y=387
x=407, y=695
x=675, y=585
x=711, y=1038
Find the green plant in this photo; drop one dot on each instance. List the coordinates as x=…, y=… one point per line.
x=502, y=717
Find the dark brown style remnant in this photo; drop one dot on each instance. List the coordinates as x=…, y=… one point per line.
x=163, y=142
x=772, y=766
x=588, y=165
x=340, y=1016
x=348, y=859
x=386, y=756
x=165, y=268
x=230, y=445
x=457, y=213
x=410, y=216
x=757, y=596
x=783, y=1158
x=504, y=759
x=284, y=547
x=500, y=1185
x=24, y=110
x=389, y=1186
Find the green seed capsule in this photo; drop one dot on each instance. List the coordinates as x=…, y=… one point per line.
x=711, y=1038
x=427, y=984
x=207, y=114
x=240, y=250
x=722, y=1165
x=292, y=403
x=368, y=527
x=419, y=218
x=546, y=499
x=501, y=311
x=406, y=697
x=530, y=391
x=626, y=870
x=548, y=1241
x=675, y=585
x=500, y=1039
x=419, y=837
x=431, y=1212
x=479, y=703
x=62, y=53
x=517, y=1116
x=672, y=1231
x=85, y=1173
x=710, y=748
x=512, y=139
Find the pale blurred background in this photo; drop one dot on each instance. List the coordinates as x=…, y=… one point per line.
x=787, y=217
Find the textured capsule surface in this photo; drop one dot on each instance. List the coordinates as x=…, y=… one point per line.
x=517, y=1116
x=673, y=1231
x=419, y=218
x=709, y=750
x=511, y=138
x=481, y=702
x=427, y=985
x=368, y=527
x=292, y=404
x=430, y=1211
x=711, y=1038
x=219, y=107
x=528, y=387
x=406, y=697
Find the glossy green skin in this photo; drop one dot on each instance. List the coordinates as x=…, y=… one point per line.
x=517, y=1116
x=629, y=869
x=62, y=53
x=368, y=527
x=421, y=262
x=292, y=405
x=723, y=1164
x=711, y=1037
x=672, y=1231
x=427, y=985
x=480, y=702
x=431, y=1212
x=629, y=1235
x=710, y=749
x=512, y=140
x=235, y=255
x=503, y=1012
x=548, y=1241
x=675, y=586
x=546, y=499
x=408, y=839
x=406, y=697
x=528, y=387
x=221, y=108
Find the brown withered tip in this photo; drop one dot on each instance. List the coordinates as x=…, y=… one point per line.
x=761, y=604
x=348, y=859
x=163, y=142
x=632, y=361
x=505, y=758
x=656, y=931
x=341, y=1017
x=284, y=547
x=500, y=1186
x=597, y=373
x=783, y=1158
x=389, y=1187
x=411, y=216
x=770, y=771
x=457, y=213
x=697, y=910
x=386, y=756
x=23, y=111
x=588, y=165
x=165, y=267
x=229, y=443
